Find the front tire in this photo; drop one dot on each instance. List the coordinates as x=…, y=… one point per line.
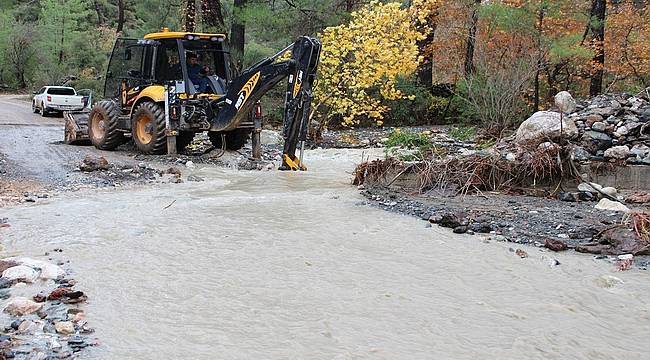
x=34, y=108
x=148, y=129
x=235, y=139
x=103, y=122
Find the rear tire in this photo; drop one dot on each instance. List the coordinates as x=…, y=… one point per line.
x=235, y=139
x=103, y=123
x=148, y=129
x=42, y=111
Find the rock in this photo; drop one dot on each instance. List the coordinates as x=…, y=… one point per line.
x=594, y=141
x=270, y=137
x=593, y=187
x=58, y=293
x=30, y=327
x=545, y=126
x=604, y=111
x=93, y=163
x=461, y=229
x=64, y=327
x=609, y=205
x=638, y=198
x=481, y=228
x=608, y=281
x=6, y=264
x=173, y=171
x=578, y=153
x=599, y=126
x=555, y=245
x=565, y=102
x=20, y=273
x=567, y=196
x=452, y=220
x=20, y=306
x=593, y=118
x=586, y=196
x=190, y=164
x=48, y=271
x=609, y=191
x=522, y=254
x=640, y=150
x=645, y=116
x=617, y=152
x=511, y=157
x=628, y=128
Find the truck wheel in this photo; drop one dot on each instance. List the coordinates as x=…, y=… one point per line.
x=103, y=123
x=148, y=129
x=34, y=108
x=42, y=111
x=183, y=139
x=235, y=139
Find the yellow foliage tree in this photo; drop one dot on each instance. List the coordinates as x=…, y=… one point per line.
x=361, y=61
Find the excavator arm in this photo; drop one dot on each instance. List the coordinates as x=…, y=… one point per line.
x=246, y=89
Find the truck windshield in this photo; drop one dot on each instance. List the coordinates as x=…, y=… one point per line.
x=60, y=91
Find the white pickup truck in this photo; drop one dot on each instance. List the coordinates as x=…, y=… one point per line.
x=57, y=99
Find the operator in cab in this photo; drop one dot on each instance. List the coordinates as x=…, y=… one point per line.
x=198, y=74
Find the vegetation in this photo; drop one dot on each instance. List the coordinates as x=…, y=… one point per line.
x=488, y=64
x=409, y=146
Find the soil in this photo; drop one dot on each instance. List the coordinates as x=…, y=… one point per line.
x=513, y=218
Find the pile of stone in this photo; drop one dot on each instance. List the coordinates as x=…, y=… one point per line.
x=40, y=317
x=613, y=128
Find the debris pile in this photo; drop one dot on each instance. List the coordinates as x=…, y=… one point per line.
x=613, y=128
x=40, y=317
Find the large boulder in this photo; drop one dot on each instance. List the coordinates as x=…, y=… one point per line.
x=544, y=126
x=565, y=102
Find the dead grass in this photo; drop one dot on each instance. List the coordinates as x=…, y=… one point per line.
x=482, y=172
x=640, y=223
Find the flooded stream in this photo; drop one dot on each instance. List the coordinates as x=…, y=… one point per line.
x=270, y=265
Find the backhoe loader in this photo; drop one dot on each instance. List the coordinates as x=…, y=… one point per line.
x=163, y=89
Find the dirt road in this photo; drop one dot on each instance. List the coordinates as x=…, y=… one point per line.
x=33, y=145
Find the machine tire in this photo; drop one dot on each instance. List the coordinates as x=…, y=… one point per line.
x=34, y=108
x=42, y=111
x=103, y=122
x=148, y=128
x=183, y=139
x=235, y=139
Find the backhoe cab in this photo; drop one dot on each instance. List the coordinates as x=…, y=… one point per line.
x=163, y=89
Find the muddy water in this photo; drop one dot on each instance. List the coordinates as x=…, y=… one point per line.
x=255, y=265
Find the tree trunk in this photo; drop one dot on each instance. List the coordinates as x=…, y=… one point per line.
x=121, y=8
x=190, y=15
x=212, y=14
x=597, y=21
x=62, y=39
x=425, y=71
x=98, y=10
x=471, y=40
x=540, y=33
x=237, y=36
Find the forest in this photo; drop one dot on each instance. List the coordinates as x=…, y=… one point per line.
x=483, y=63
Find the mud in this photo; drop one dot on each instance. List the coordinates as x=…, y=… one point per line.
x=277, y=265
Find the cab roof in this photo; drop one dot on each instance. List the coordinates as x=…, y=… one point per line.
x=166, y=34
